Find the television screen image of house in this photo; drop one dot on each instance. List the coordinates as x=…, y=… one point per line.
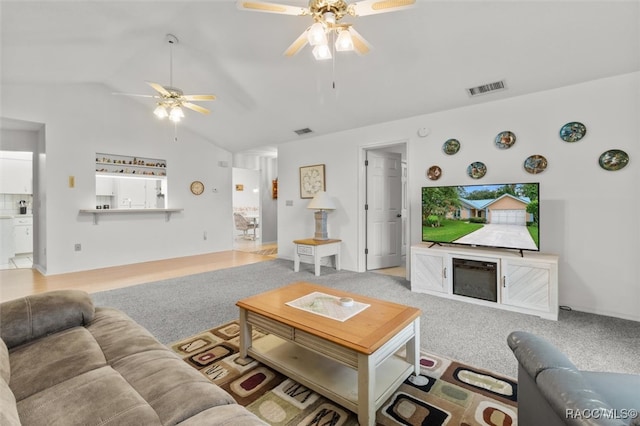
x=500, y=215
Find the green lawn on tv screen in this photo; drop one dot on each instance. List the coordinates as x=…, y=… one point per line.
x=449, y=230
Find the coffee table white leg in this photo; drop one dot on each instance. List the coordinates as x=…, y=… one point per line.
x=366, y=390
x=337, y=258
x=246, y=338
x=413, y=348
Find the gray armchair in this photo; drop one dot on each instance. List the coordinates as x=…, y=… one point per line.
x=552, y=391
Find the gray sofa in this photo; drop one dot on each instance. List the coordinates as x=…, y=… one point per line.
x=64, y=362
x=552, y=391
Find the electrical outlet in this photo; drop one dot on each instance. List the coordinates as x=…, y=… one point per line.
x=78, y=247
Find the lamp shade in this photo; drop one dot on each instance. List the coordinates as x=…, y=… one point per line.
x=321, y=201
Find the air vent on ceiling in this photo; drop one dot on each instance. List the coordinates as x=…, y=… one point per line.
x=304, y=131
x=487, y=88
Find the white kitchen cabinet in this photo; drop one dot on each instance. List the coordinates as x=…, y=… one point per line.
x=23, y=234
x=7, y=240
x=16, y=176
x=105, y=186
x=526, y=283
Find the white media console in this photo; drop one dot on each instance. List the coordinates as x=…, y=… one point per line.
x=504, y=279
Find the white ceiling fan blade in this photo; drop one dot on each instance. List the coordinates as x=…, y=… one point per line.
x=259, y=6
x=159, y=88
x=372, y=7
x=199, y=97
x=360, y=45
x=298, y=44
x=134, y=94
x=195, y=107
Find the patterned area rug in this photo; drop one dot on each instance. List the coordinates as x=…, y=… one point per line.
x=445, y=393
x=267, y=252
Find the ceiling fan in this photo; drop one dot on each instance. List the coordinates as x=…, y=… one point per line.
x=326, y=15
x=171, y=100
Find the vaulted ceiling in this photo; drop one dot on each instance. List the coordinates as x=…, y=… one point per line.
x=422, y=60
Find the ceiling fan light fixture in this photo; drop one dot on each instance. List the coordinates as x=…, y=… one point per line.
x=316, y=35
x=176, y=114
x=161, y=112
x=321, y=52
x=344, y=42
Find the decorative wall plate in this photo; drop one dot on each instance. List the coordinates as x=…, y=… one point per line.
x=451, y=146
x=573, y=131
x=614, y=159
x=476, y=170
x=535, y=164
x=434, y=172
x=505, y=140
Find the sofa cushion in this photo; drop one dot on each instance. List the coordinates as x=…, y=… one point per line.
x=32, y=317
x=165, y=381
x=8, y=409
x=98, y=397
x=53, y=359
x=227, y=415
x=5, y=366
x=119, y=336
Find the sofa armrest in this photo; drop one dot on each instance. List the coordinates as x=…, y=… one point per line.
x=536, y=354
x=32, y=317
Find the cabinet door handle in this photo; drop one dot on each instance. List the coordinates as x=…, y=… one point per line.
x=444, y=272
x=504, y=281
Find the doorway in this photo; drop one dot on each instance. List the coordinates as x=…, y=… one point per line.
x=385, y=208
x=22, y=162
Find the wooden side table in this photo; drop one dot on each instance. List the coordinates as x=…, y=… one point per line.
x=318, y=249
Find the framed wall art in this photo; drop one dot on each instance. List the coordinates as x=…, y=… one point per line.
x=312, y=180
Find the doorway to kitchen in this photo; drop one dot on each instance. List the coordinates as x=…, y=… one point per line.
x=16, y=209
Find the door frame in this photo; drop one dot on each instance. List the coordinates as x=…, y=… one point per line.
x=362, y=196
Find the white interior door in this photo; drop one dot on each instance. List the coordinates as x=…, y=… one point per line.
x=384, y=209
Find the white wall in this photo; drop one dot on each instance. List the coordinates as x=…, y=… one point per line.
x=81, y=120
x=589, y=216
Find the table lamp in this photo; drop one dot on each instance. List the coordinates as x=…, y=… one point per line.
x=321, y=203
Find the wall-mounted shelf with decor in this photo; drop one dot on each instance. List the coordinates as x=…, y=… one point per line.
x=98, y=212
x=110, y=165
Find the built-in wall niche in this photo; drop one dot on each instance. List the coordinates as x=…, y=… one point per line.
x=126, y=182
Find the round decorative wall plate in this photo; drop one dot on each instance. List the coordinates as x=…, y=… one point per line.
x=573, y=131
x=614, y=159
x=434, y=172
x=476, y=170
x=535, y=164
x=197, y=187
x=451, y=146
x=505, y=140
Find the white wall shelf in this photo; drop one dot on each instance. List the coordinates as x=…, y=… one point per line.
x=526, y=284
x=118, y=165
x=97, y=212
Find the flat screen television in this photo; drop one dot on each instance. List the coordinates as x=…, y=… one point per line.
x=500, y=216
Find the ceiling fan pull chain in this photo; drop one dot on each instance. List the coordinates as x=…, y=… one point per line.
x=333, y=58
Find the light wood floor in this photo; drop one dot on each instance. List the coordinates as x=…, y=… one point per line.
x=15, y=283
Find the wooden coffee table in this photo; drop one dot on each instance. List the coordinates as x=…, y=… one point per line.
x=352, y=362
